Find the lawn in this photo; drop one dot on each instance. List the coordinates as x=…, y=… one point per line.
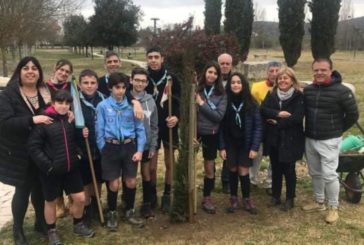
x=270, y=226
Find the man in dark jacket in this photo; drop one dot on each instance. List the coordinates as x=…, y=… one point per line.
x=330, y=110
x=112, y=64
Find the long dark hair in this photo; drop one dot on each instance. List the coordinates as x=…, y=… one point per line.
x=250, y=104
x=219, y=88
x=15, y=78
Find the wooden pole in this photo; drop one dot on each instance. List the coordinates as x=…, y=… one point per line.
x=97, y=194
x=170, y=139
x=191, y=157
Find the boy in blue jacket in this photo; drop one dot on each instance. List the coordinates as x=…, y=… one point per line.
x=120, y=138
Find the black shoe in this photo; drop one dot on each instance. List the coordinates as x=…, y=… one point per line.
x=268, y=191
x=274, y=202
x=132, y=219
x=288, y=205
x=81, y=229
x=53, y=237
x=225, y=187
x=146, y=211
x=18, y=236
x=166, y=203
x=112, y=220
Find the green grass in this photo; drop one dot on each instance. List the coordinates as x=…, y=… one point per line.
x=270, y=226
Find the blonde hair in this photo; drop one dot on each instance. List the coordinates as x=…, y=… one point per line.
x=289, y=72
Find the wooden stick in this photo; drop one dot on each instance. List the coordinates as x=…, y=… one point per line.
x=170, y=130
x=191, y=157
x=91, y=162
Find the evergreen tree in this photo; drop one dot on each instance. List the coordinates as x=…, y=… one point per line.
x=115, y=22
x=291, y=27
x=74, y=27
x=212, y=16
x=325, y=16
x=239, y=17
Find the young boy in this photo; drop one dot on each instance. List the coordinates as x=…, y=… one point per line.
x=158, y=76
x=139, y=80
x=120, y=138
x=53, y=148
x=89, y=98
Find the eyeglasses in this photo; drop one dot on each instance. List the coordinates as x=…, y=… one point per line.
x=140, y=81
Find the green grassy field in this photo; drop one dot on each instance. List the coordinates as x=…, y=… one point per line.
x=270, y=226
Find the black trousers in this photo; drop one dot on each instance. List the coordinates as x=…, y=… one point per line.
x=20, y=201
x=280, y=169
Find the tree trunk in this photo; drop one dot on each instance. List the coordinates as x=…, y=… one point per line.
x=92, y=52
x=20, y=51
x=13, y=53
x=3, y=58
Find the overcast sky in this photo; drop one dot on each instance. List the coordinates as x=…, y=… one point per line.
x=177, y=11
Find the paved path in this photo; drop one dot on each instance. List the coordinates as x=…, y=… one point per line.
x=6, y=194
x=136, y=62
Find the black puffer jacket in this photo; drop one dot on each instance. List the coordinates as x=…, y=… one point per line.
x=53, y=146
x=16, y=122
x=329, y=109
x=287, y=135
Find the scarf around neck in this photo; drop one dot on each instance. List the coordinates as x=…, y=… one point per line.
x=285, y=95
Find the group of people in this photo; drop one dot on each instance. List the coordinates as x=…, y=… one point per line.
x=51, y=131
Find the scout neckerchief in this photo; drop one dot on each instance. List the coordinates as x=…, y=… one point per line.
x=237, y=113
x=119, y=107
x=107, y=78
x=207, y=95
x=55, y=88
x=87, y=103
x=156, y=84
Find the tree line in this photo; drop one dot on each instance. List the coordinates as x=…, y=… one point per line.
x=239, y=16
x=25, y=22
x=115, y=23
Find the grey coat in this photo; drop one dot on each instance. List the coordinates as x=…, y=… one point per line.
x=208, y=119
x=150, y=121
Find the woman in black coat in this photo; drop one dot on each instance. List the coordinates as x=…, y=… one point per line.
x=20, y=105
x=283, y=113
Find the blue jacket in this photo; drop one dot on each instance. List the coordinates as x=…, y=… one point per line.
x=115, y=120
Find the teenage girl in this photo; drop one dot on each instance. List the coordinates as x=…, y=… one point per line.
x=240, y=137
x=211, y=100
